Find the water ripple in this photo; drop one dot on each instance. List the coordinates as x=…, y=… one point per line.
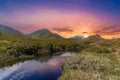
x=22, y=75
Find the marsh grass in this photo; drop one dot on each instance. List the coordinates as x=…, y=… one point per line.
x=91, y=66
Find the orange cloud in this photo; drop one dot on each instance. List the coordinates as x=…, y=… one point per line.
x=110, y=31
x=63, y=29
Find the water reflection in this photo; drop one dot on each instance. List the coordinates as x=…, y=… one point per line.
x=42, y=69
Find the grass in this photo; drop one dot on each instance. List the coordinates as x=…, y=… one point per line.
x=92, y=66
x=3, y=48
x=99, y=61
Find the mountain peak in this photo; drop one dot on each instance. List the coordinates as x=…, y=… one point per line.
x=45, y=29
x=45, y=34
x=7, y=29
x=42, y=30
x=96, y=37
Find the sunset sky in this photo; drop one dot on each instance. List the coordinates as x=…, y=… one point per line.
x=65, y=17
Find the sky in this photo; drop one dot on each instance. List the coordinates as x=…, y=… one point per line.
x=65, y=17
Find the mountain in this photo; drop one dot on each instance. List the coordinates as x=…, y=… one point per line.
x=6, y=29
x=45, y=34
x=95, y=37
x=77, y=37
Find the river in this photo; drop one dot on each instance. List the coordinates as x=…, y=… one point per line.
x=48, y=68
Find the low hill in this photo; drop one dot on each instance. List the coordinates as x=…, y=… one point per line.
x=77, y=38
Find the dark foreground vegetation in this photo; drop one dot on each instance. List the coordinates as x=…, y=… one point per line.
x=99, y=61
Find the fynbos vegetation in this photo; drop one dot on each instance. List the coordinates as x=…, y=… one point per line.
x=100, y=61
x=14, y=48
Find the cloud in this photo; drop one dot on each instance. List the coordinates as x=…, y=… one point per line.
x=109, y=30
x=84, y=32
x=63, y=29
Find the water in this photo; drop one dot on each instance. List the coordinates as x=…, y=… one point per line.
x=41, y=69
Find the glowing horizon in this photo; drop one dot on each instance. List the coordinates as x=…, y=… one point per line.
x=65, y=17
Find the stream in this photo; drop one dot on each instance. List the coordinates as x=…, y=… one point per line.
x=48, y=68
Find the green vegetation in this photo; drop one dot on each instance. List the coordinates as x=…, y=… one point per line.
x=15, y=48
x=3, y=49
x=99, y=61
x=92, y=66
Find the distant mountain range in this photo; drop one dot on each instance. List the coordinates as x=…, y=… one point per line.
x=6, y=29
x=42, y=34
x=77, y=37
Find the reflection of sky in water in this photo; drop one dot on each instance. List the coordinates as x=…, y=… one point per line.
x=35, y=69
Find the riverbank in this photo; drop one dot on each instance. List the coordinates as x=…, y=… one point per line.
x=91, y=66
x=98, y=58
x=17, y=48
x=100, y=61
x=12, y=60
x=44, y=68
x=8, y=61
x=14, y=48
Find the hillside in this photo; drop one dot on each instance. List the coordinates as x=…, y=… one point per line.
x=45, y=34
x=6, y=29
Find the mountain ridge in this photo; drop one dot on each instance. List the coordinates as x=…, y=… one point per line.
x=7, y=29
x=45, y=34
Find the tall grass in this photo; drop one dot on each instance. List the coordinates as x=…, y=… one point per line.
x=92, y=66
